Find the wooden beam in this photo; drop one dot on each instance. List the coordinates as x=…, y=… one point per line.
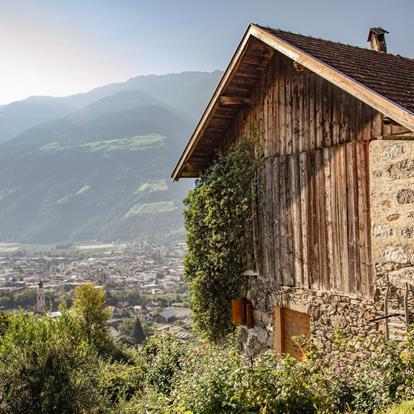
x=230, y=100
x=300, y=68
x=211, y=107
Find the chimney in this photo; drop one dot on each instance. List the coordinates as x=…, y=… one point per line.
x=377, y=38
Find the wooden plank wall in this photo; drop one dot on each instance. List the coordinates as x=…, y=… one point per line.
x=313, y=228
x=298, y=111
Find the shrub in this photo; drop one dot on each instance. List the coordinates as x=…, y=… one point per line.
x=407, y=407
x=211, y=381
x=218, y=224
x=47, y=366
x=161, y=358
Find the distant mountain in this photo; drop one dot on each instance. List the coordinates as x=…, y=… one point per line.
x=187, y=92
x=102, y=171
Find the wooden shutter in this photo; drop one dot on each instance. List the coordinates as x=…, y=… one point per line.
x=249, y=314
x=237, y=311
x=287, y=324
x=242, y=312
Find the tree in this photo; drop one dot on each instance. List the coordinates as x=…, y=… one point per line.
x=4, y=322
x=48, y=366
x=139, y=335
x=89, y=306
x=132, y=332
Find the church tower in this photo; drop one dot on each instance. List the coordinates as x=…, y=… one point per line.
x=40, y=298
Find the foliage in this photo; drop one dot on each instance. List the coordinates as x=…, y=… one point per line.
x=89, y=305
x=139, y=334
x=357, y=375
x=162, y=356
x=407, y=407
x=133, y=331
x=47, y=366
x=120, y=381
x=218, y=227
x=4, y=322
x=55, y=366
x=362, y=375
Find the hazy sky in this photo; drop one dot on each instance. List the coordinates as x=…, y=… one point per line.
x=60, y=47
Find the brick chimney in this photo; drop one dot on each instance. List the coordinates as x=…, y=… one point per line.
x=376, y=36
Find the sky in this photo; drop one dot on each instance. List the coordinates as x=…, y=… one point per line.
x=62, y=47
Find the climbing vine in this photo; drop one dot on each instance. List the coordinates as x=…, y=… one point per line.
x=218, y=221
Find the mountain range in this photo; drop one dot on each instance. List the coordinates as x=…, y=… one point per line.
x=96, y=166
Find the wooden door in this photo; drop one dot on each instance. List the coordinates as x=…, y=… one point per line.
x=287, y=324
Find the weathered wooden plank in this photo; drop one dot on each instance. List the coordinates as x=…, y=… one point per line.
x=288, y=111
x=281, y=110
x=277, y=239
x=295, y=118
x=364, y=221
x=311, y=110
x=259, y=210
x=296, y=221
x=313, y=223
x=304, y=208
x=342, y=218
x=352, y=208
x=334, y=214
x=329, y=139
x=321, y=221
x=269, y=219
x=327, y=161
x=283, y=228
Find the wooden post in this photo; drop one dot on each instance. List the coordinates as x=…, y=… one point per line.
x=387, y=330
x=277, y=330
x=406, y=310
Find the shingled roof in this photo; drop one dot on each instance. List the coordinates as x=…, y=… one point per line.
x=383, y=81
x=389, y=75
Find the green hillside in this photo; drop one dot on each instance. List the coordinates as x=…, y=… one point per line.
x=101, y=172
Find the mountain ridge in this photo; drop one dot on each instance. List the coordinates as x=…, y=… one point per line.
x=102, y=171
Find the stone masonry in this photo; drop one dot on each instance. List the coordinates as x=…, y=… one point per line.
x=392, y=223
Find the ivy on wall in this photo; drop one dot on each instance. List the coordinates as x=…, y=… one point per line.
x=218, y=223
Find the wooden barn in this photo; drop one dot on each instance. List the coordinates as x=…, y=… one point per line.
x=335, y=213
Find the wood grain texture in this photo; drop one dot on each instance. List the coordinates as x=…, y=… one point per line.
x=314, y=219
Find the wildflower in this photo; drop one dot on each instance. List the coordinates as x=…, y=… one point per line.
x=373, y=373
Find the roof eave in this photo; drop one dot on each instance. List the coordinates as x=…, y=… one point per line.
x=389, y=108
x=209, y=111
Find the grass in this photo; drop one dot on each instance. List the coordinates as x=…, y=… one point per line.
x=68, y=197
x=151, y=186
x=51, y=147
x=84, y=189
x=136, y=143
x=148, y=208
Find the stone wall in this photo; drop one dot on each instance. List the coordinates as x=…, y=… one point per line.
x=391, y=165
x=392, y=224
x=328, y=311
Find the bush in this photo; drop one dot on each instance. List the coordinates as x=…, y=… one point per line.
x=52, y=366
x=161, y=358
x=218, y=223
x=47, y=366
x=356, y=375
x=406, y=407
